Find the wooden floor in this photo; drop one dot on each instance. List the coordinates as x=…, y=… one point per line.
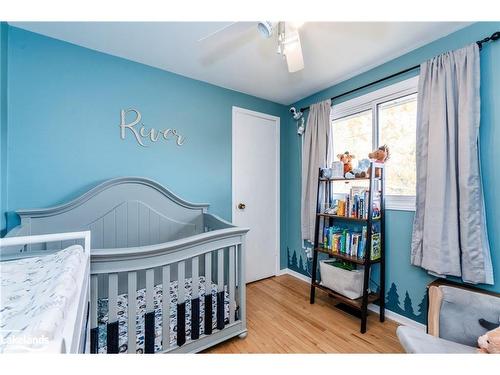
x=281, y=320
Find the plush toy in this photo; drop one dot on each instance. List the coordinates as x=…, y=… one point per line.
x=380, y=155
x=346, y=158
x=326, y=172
x=362, y=169
x=490, y=341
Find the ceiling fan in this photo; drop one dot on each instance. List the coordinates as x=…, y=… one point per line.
x=286, y=34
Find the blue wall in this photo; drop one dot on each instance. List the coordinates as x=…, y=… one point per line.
x=64, y=116
x=3, y=123
x=407, y=278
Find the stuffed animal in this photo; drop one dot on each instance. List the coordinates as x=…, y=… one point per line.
x=326, y=172
x=380, y=155
x=346, y=158
x=490, y=341
x=362, y=169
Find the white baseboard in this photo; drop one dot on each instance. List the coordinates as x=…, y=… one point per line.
x=288, y=271
x=372, y=307
x=403, y=320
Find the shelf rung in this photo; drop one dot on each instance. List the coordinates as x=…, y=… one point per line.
x=348, y=179
x=349, y=258
x=357, y=303
x=346, y=217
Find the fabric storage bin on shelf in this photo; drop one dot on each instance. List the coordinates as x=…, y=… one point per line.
x=345, y=282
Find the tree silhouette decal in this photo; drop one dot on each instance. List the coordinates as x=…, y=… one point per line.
x=422, y=309
x=295, y=264
x=301, y=264
x=294, y=261
x=408, y=306
x=393, y=300
x=393, y=304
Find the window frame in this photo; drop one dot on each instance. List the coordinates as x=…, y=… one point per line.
x=371, y=101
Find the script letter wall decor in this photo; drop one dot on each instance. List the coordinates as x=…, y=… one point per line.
x=143, y=135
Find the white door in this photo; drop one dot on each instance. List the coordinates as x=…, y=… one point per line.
x=256, y=189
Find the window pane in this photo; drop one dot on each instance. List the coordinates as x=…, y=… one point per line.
x=353, y=134
x=397, y=124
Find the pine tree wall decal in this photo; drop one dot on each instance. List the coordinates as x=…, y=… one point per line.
x=301, y=264
x=407, y=305
x=393, y=303
x=422, y=310
x=293, y=264
x=296, y=264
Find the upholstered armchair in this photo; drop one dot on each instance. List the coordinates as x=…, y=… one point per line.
x=454, y=318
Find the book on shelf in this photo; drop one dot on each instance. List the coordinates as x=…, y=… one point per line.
x=362, y=246
x=354, y=204
x=349, y=242
x=376, y=248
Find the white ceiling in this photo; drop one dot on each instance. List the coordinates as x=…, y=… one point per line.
x=241, y=60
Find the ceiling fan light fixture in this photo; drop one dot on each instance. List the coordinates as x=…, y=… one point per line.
x=265, y=29
x=297, y=24
x=292, y=50
x=291, y=42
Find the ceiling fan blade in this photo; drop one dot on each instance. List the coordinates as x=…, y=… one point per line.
x=293, y=53
x=216, y=32
x=230, y=28
x=225, y=41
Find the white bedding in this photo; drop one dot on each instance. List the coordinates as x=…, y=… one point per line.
x=36, y=297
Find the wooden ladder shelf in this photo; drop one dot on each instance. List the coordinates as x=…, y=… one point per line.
x=323, y=219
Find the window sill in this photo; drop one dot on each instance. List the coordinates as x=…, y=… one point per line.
x=400, y=203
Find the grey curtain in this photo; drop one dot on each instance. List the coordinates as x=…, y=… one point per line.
x=449, y=230
x=314, y=156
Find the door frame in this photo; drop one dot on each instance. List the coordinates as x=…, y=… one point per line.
x=276, y=119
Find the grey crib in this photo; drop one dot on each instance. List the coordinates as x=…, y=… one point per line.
x=143, y=238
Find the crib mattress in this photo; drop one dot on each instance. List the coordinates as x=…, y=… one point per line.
x=36, y=297
x=122, y=312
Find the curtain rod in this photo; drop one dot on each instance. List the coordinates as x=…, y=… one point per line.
x=493, y=37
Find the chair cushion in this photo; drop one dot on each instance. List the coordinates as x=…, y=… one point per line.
x=417, y=341
x=460, y=312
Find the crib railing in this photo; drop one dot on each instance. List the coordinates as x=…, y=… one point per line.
x=217, y=255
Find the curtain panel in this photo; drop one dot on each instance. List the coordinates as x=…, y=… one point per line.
x=449, y=230
x=314, y=156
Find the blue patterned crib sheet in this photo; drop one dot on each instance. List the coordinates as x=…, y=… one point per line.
x=122, y=311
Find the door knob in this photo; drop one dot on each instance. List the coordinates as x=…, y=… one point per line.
x=241, y=206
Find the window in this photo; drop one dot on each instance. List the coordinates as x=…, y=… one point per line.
x=386, y=116
x=353, y=133
x=397, y=121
